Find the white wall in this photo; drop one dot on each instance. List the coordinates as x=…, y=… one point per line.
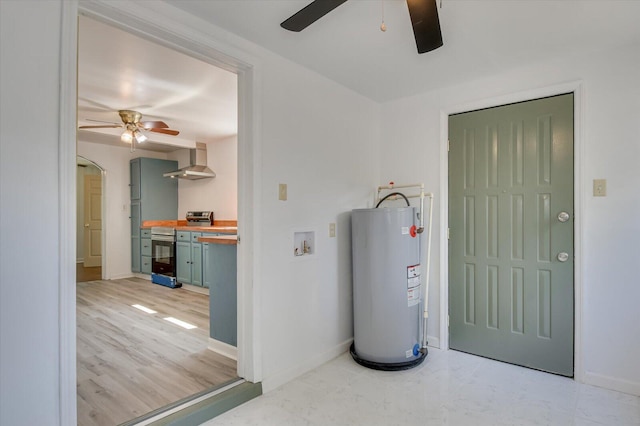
x=611, y=229
x=219, y=194
x=316, y=136
x=116, y=223
x=322, y=141
x=29, y=257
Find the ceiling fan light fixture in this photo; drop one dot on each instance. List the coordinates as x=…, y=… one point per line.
x=139, y=136
x=127, y=136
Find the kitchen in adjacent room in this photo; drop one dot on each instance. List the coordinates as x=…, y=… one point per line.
x=160, y=324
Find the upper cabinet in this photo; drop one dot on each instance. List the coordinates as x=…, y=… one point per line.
x=153, y=197
x=134, y=167
x=158, y=195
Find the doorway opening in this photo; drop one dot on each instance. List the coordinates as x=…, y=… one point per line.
x=90, y=227
x=126, y=287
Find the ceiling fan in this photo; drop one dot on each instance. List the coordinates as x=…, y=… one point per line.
x=133, y=127
x=424, y=19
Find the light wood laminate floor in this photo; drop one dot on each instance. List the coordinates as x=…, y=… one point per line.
x=130, y=362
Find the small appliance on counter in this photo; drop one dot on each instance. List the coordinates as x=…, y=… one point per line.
x=200, y=218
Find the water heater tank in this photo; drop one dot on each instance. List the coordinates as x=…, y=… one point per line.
x=386, y=288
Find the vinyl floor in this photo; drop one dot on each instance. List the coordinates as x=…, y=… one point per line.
x=130, y=362
x=449, y=388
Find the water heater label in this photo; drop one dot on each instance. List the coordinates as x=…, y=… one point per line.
x=413, y=285
x=413, y=282
x=413, y=296
x=405, y=230
x=413, y=271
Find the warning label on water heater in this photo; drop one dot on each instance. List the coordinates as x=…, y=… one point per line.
x=413, y=285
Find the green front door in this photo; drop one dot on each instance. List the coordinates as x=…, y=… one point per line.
x=511, y=233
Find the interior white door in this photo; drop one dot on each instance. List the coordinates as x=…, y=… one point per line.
x=92, y=220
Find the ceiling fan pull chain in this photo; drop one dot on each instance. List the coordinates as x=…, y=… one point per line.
x=383, y=26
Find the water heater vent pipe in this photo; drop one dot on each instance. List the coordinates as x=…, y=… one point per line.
x=392, y=186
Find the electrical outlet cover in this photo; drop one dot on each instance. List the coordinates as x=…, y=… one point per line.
x=599, y=187
x=282, y=192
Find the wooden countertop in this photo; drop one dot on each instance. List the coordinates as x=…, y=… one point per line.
x=220, y=239
x=221, y=226
x=215, y=228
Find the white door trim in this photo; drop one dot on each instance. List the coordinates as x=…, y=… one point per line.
x=575, y=87
x=159, y=22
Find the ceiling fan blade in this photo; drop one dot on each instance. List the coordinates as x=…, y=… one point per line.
x=102, y=121
x=153, y=125
x=113, y=126
x=165, y=131
x=426, y=25
x=310, y=14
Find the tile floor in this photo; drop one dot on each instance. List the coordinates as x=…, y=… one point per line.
x=449, y=388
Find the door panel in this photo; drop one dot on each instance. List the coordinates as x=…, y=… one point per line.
x=92, y=220
x=510, y=175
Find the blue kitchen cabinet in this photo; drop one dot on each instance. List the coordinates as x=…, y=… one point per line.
x=206, y=280
x=183, y=257
x=196, y=264
x=153, y=197
x=221, y=266
x=135, y=236
x=145, y=251
x=189, y=258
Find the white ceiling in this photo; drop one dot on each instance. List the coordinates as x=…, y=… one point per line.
x=117, y=70
x=481, y=37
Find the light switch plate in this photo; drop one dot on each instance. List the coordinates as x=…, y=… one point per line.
x=599, y=187
x=282, y=192
x=332, y=230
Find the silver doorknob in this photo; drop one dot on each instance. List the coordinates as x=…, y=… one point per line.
x=563, y=256
x=86, y=225
x=563, y=216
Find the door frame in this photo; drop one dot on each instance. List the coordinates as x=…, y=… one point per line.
x=158, y=22
x=575, y=87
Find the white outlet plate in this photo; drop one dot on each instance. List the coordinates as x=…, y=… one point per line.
x=599, y=187
x=282, y=192
x=332, y=230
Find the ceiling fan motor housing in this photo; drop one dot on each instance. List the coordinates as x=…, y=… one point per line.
x=129, y=116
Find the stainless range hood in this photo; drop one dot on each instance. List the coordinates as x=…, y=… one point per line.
x=198, y=165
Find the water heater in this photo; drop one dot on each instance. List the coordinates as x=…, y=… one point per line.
x=386, y=288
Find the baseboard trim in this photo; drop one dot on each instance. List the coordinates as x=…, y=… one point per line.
x=278, y=379
x=223, y=349
x=612, y=383
x=433, y=341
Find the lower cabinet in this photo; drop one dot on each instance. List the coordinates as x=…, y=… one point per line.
x=190, y=258
x=221, y=272
x=206, y=276
x=196, y=264
x=183, y=262
x=145, y=254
